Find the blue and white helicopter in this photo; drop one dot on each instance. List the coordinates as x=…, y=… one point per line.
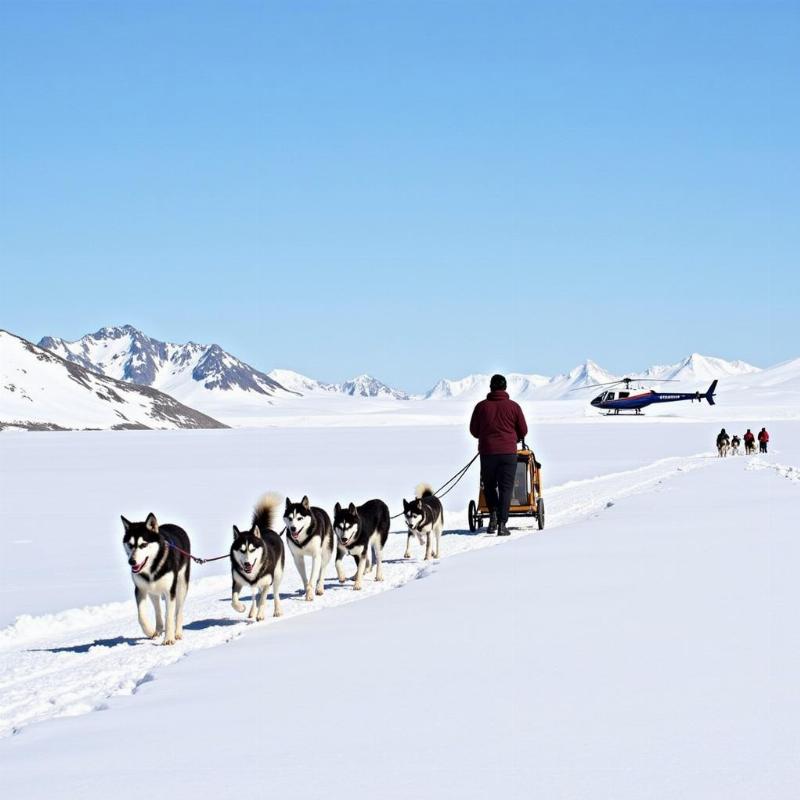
x=613, y=401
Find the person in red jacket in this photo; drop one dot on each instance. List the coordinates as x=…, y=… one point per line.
x=763, y=438
x=749, y=442
x=498, y=424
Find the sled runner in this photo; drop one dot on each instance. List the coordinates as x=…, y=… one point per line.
x=526, y=498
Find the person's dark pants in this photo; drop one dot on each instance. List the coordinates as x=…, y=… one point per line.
x=497, y=474
x=762, y=447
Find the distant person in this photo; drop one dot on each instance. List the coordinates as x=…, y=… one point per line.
x=763, y=439
x=749, y=442
x=723, y=442
x=498, y=424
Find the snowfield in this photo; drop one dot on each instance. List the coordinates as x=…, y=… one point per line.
x=641, y=646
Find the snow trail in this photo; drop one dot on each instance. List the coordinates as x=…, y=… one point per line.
x=784, y=470
x=71, y=662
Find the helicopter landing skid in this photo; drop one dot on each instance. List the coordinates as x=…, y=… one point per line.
x=636, y=413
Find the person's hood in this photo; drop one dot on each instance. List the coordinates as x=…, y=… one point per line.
x=497, y=394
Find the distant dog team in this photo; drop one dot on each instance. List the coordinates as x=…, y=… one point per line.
x=160, y=554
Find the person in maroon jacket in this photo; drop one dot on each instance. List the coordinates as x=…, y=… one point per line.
x=498, y=424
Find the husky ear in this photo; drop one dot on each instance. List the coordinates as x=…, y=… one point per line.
x=125, y=523
x=256, y=532
x=337, y=509
x=352, y=508
x=288, y=504
x=406, y=504
x=304, y=502
x=151, y=522
x=235, y=533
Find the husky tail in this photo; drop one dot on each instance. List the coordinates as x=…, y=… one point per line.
x=423, y=490
x=710, y=393
x=265, y=510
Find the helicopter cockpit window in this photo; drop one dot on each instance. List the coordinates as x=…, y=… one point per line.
x=610, y=396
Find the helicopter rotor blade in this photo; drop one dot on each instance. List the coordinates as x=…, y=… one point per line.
x=624, y=380
x=595, y=385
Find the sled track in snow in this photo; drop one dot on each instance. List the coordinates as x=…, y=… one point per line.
x=784, y=470
x=72, y=662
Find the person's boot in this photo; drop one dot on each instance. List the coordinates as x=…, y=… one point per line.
x=492, y=523
x=503, y=531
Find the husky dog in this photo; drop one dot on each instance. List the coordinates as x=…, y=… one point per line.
x=749, y=448
x=257, y=560
x=309, y=533
x=722, y=449
x=159, y=570
x=360, y=529
x=734, y=446
x=424, y=517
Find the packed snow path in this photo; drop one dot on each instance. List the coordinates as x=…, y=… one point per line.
x=70, y=663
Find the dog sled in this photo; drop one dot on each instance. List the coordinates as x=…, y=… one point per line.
x=526, y=497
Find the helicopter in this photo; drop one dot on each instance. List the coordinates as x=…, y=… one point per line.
x=623, y=400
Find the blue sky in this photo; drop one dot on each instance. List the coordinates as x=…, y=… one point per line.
x=415, y=190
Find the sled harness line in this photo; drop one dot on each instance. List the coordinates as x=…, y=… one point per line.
x=447, y=486
x=451, y=483
x=197, y=559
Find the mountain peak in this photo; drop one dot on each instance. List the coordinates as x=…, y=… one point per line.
x=43, y=391
x=125, y=353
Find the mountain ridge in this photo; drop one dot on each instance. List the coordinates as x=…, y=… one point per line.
x=39, y=390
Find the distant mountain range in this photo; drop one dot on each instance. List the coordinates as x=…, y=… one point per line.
x=360, y=386
x=190, y=371
x=42, y=391
x=127, y=354
x=129, y=379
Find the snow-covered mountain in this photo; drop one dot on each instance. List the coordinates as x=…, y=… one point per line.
x=699, y=368
x=360, y=386
x=301, y=384
x=695, y=368
x=476, y=386
x=523, y=386
x=367, y=386
x=127, y=354
x=42, y=391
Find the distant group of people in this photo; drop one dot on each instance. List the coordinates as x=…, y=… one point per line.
x=733, y=443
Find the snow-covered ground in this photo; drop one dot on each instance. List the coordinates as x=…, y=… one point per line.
x=644, y=645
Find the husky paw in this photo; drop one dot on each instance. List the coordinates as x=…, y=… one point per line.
x=427, y=557
x=379, y=578
x=277, y=613
x=357, y=586
x=179, y=635
x=260, y=616
x=320, y=590
x=436, y=555
x=309, y=594
x=169, y=641
x=406, y=555
x=237, y=606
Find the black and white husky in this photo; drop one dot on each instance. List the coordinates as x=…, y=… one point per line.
x=159, y=570
x=309, y=533
x=257, y=560
x=359, y=530
x=425, y=519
